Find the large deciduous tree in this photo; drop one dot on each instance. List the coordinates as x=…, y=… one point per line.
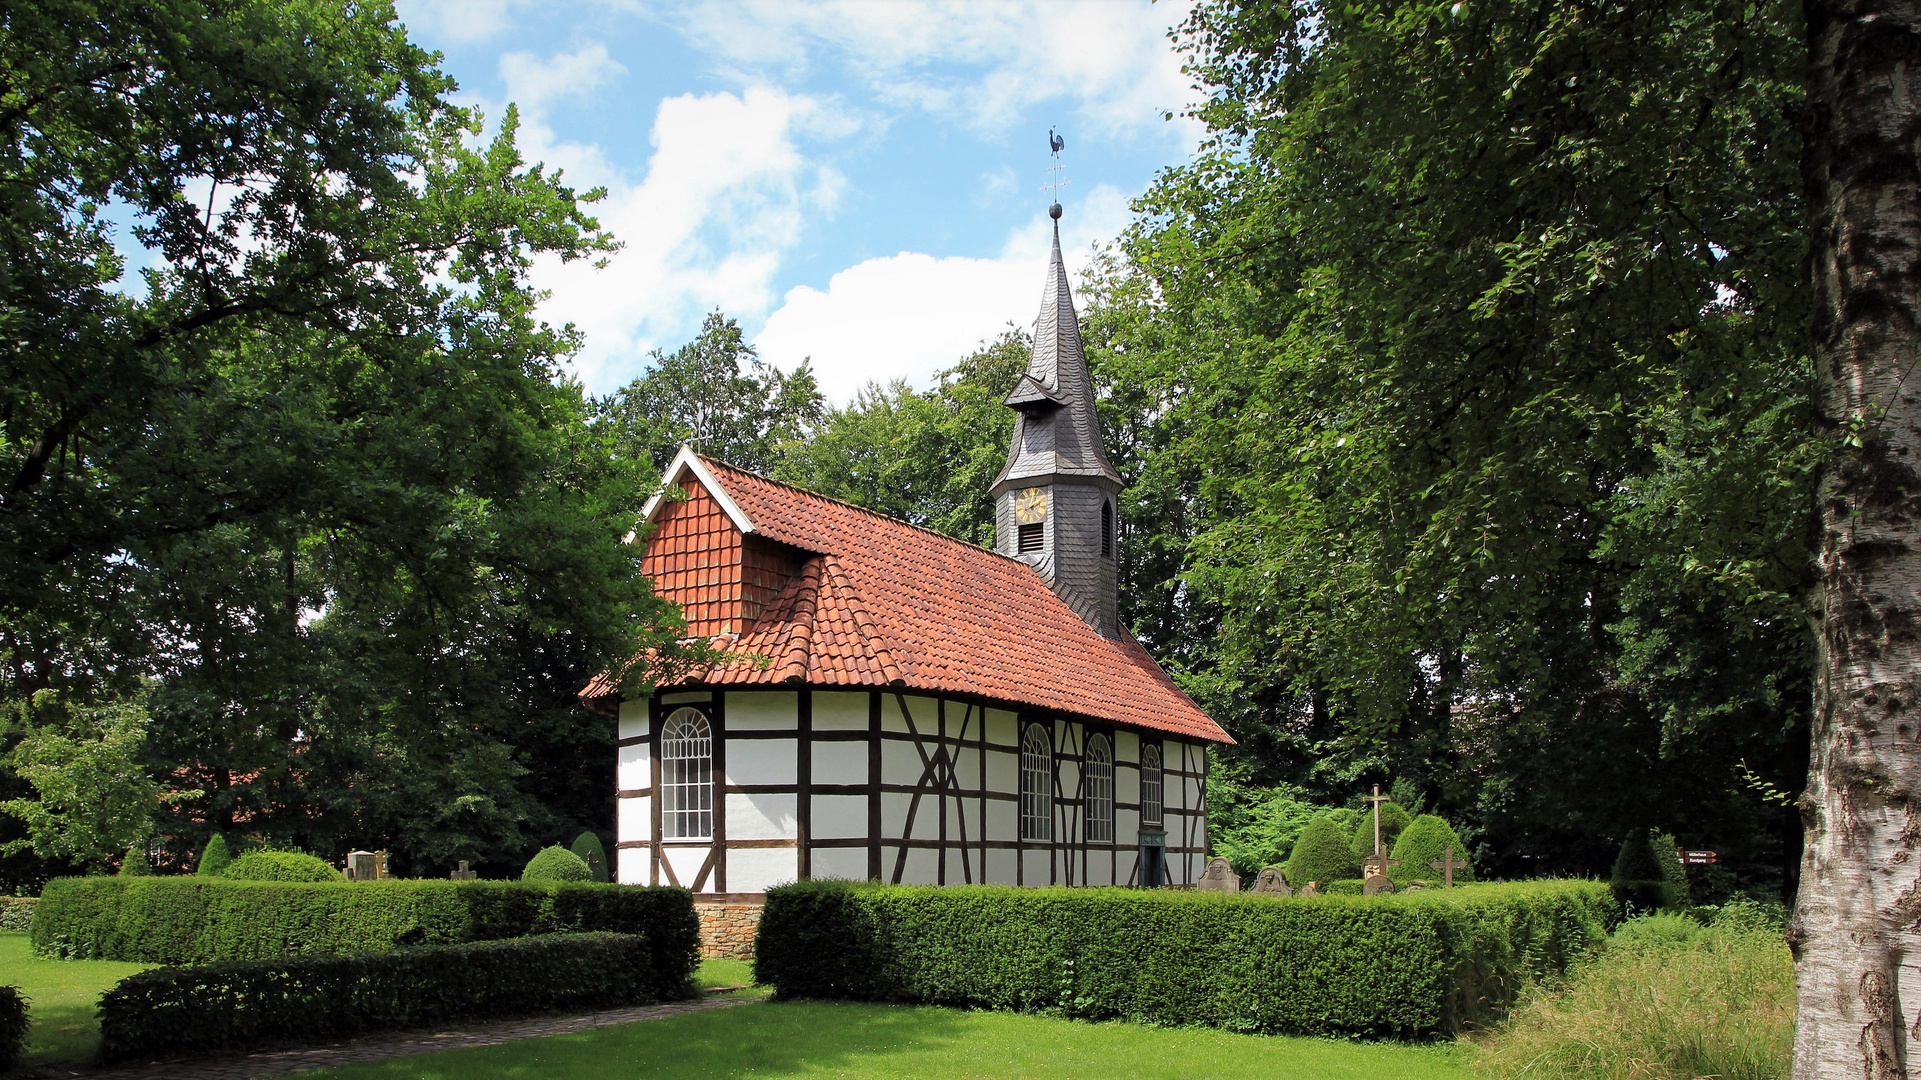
x=1854, y=930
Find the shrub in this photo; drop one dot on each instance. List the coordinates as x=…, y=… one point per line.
x=591, y=851
x=195, y=920
x=1667, y=854
x=556, y=863
x=1421, y=843
x=1320, y=855
x=1668, y=999
x=196, y=1010
x=1637, y=881
x=280, y=866
x=1260, y=835
x=1321, y=965
x=13, y=1026
x=135, y=863
x=16, y=914
x=1393, y=820
x=214, y=857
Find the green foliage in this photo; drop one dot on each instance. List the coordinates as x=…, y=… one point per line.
x=556, y=864
x=214, y=857
x=1260, y=835
x=13, y=1026
x=1423, y=842
x=134, y=863
x=239, y=1004
x=1393, y=820
x=16, y=913
x=93, y=799
x=1673, y=871
x=1324, y=965
x=1668, y=999
x=1638, y=881
x=193, y=920
x=590, y=850
x=1321, y=854
x=280, y=866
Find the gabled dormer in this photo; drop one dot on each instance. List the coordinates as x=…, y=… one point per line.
x=706, y=555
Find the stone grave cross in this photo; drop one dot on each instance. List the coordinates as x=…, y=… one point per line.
x=462, y=874
x=1447, y=864
x=1374, y=870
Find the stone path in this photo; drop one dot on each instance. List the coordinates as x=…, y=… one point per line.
x=400, y=1044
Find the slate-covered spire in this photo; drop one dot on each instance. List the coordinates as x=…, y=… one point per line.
x=1054, y=499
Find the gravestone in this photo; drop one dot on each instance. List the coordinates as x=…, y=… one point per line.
x=1377, y=884
x=1219, y=877
x=366, y=865
x=1414, y=886
x=462, y=874
x=1447, y=864
x=1271, y=883
x=1312, y=888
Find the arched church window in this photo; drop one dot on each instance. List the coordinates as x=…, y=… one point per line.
x=1097, y=791
x=1150, y=784
x=1037, y=784
x=687, y=777
x=1107, y=529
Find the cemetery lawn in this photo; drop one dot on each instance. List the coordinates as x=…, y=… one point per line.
x=61, y=997
x=807, y=1039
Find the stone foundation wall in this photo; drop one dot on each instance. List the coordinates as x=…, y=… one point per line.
x=727, y=928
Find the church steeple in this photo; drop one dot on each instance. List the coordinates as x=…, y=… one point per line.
x=1054, y=500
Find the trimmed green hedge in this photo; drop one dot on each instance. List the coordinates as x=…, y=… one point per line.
x=196, y=920
x=1390, y=965
x=13, y=1026
x=170, y=1012
x=280, y=866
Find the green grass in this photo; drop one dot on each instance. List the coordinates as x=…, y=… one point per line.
x=725, y=973
x=883, y=1042
x=61, y=997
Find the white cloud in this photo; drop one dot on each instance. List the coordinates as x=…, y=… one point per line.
x=981, y=63
x=907, y=316
x=537, y=84
x=456, y=20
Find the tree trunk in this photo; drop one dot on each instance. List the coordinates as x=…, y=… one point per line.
x=1854, y=932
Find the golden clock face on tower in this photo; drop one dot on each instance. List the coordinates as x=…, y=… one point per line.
x=1030, y=506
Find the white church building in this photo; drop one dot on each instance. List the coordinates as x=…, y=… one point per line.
x=902, y=706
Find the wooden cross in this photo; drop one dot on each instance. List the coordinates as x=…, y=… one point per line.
x=1377, y=799
x=1446, y=864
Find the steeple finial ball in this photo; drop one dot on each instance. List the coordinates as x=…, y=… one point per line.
x=1054, y=211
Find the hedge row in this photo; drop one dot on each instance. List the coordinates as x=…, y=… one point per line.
x=16, y=914
x=13, y=1026
x=171, y=1012
x=196, y=920
x=1390, y=965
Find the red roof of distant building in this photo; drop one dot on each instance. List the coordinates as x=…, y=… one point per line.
x=869, y=600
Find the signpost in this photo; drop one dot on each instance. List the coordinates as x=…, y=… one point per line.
x=1700, y=858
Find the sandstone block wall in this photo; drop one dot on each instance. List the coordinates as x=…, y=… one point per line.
x=727, y=928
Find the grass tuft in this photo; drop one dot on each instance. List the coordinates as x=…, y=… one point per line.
x=1669, y=999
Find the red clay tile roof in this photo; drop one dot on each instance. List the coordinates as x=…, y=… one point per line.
x=879, y=602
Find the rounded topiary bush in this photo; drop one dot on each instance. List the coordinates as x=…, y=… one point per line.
x=214, y=857
x=1321, y=854
x=556, y=864
x=1638, y=881
x=280, y=866
x=593, y=853
x=1421, y=843
x=1668, y=854
x=136, y=864
x=1393, y=820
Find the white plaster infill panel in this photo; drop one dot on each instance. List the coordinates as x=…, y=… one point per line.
x=633, y=770
x=900, y=762
x=1003, y=728
x=837, y=711
x=686, y=862
x=1037, y=865
x=633, y=720
x=633, y=818
x=845, y=864
x=841, y=817
x=760, y=869
x=1003, y=820
x=691, y=697
x=631, y=865
x=760, y=817
x=1000, y=866
x=760, y=761
x=923, y=867
x=840, y=763
x=1003, y=771
x=763, y=711
x=893, y=816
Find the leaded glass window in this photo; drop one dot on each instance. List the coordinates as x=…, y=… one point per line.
x=1150, y=784
x=1037, y=785
x=1097, y=791
x=687, y=777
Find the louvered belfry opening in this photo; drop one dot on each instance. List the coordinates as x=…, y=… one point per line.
x=1031, y=537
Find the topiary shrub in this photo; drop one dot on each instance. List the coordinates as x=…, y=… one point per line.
x=1320, y=855
x=214, y=857
x=1638, y=881
x=1673, y=871
x=1393, y=820
x=280, y=866
x=556, y=863
x=13, y=1026
x=1421, y=843
x=593, y=853
x=135, y=864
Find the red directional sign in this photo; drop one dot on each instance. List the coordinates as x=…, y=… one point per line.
x=1700, y=858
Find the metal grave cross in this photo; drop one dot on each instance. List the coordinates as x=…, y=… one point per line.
x=1446, y=864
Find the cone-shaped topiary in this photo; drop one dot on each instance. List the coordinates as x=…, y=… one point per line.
x=1320, y=854
x=280, y=866
x=556, y=864
x=593, y=853
x=1673, y=871
x=214, y=857
x=136, y=864
x=1420, y=844
x=1638, y=881
x=1393, y=820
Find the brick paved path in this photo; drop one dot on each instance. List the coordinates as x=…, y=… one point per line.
x=401, y=1044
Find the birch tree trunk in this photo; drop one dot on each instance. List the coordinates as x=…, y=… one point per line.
x=1855, y=937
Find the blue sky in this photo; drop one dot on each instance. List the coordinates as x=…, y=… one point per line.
x=856, y=182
